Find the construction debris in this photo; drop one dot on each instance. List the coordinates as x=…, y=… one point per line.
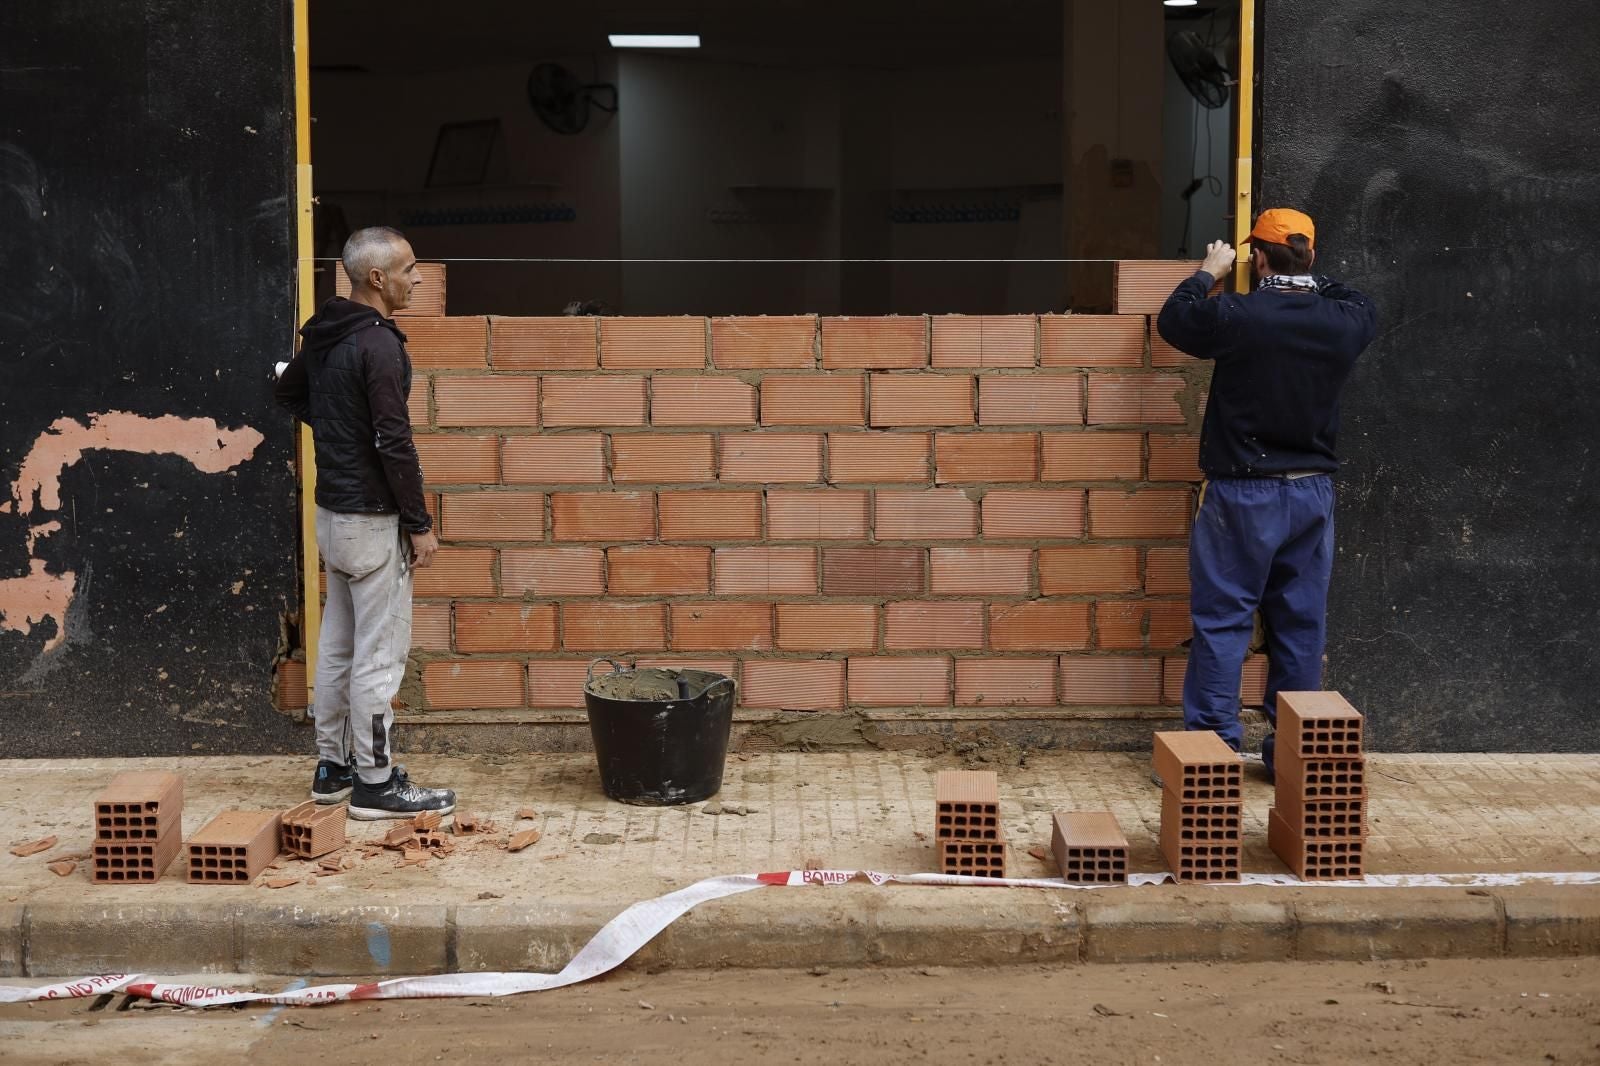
x=527, y=812
x=468, y=822
x=526, y=838
x=33, y=847
x=62, y=867
x=427, y=821
x=281, y=882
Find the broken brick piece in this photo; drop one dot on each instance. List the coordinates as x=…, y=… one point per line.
x=33, y=847
x=400, y=836
x=1090, y=848
x=1318, y=725
x=966, y=805
x=1315, y=858
x=133, y=862
x=973, y=858
x=234, y=847
x=527, y=812
x=526, y=838
x=311, y=829
x=468, y=822
x=62, y=867
x=426, y=821
x=281, y=882
x=1198, y=766
x=139, y=805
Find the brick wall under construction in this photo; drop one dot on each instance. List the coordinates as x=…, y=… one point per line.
x=949, y=516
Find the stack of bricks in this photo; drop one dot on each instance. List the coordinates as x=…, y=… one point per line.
x=138, y=827
x=233, y=848
x=1318, y=824
x=967, y=823
x=1202, y=800
x=905, y=515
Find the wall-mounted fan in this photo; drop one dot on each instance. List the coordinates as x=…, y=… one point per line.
x=1199, y=68
x=562, y=102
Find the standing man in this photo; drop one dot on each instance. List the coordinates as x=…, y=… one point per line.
x=1263, y=531
x=350, y=382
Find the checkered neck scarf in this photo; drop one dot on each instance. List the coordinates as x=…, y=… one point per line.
x=1290, y=281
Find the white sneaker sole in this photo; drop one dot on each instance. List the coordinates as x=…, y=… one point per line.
x=332, y=797
x=377, y=814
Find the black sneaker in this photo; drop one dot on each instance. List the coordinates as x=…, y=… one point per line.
x=398, y=798
x=1269, y=749
x=333, y=782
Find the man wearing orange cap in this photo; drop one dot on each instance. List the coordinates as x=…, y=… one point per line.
x=1263, y=532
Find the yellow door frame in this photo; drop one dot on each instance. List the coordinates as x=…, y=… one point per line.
x=305, y=306
x=1244, y=118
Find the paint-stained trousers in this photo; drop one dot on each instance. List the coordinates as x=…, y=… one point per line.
x=366, y=635
x=1262, y=543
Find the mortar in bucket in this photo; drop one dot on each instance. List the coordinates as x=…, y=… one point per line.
x=660, y=736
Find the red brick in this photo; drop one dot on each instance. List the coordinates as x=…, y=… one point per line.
x=613, y=627
x=617, y=400
x=1038, y=626
x=1174, y=457
x=771, y=457
x=1172, y=680
x=1130, y=625
x=417, y=403
x=924, y=514
x=876, y=343
x=559, y=343
x=430, y=626
x=986, y=457
x=806, y=685
x=1166, y=571
x=1110, y=680
x=921, y=400
x=1094, y=455
x=814, y=400
x=1088, y=568
x=505, y=627
x=1164, y=354
x=1033, y=399
x=552, y=571
x=456, y=572
x=710, y=514
x=653, y=343
x=493, y=516
x=1005, y=682
x=765, y=571
x=1091, y=340
x=554, y=459
x=895, y=682
x=816, y=514
x=866, y=458
x=1253, y=681
x=722, y=627
x=873, y=571
x=557, y=682
x=473, y=685
x=981, y=571
x=702, y=402
x=1145, y=399
x=458, y=460
x=764, y=343
x=1142, y=514
x=648, y=458
x=646, y=570
x=932, y=624
x=487, y=401
x=1033, y=513
x=605, y=516
x=427, y=297
x=984, y=340
x=827, y=626
x=1143, y=285
x=459, y=343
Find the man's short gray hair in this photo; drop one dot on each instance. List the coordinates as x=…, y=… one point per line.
x=368, y=249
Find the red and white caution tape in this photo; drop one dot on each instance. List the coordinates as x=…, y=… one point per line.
x=635, y=927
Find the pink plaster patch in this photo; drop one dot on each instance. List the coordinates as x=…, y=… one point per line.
x=27, y=601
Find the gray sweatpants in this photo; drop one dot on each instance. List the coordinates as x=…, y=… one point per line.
x=366, y=634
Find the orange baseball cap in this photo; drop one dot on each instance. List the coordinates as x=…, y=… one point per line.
x=1276, y=224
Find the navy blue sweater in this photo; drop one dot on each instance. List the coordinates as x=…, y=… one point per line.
x=1282, y=357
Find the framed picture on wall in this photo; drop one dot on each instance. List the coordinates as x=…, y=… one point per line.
x=461, y=153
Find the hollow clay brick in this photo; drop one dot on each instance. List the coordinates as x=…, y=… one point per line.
x=1091, y=340
x=985, y=457
x=1198, y=863
x=768, y=457
x=764, y=343
x=1174, y=457
x=981, y=571
x=1198, y=766
x=460, y=342
x=1089, y=848
x=1200, y=823
x=973, y=858
x=869, y=458
x=1314, y=779
x=554, y=343
x=140, y=805
x=652, y=458
x=898, y=681
x=925, y=514
x=1092, y=455
x=653, y=570
x=1005, y=682
x=1145, y=399
x=1315, y=858
x=873, y=571
x=877, y=343
x=501, y=400
x=134, y=862
x=921, y=400
x=653, y=343
x=233, y=848
x=1042, y=625
x=595, y=401
x=814, y=400
x=1143, y=285
x=702, y=402
x=312, y=829
x=1323, y=818
x=1033, y=514
x=827, y=626
x=763, y=571
x=1030, y=400
x=1144, y=514
x=710, y=514
x=814, y=514
x=984, y=340
x=558, y=459
x=1319, y=725
x=966, y=805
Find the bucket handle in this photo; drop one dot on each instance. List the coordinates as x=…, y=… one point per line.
x=616, y=668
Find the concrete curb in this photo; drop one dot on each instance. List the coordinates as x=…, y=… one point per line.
x=804, y=927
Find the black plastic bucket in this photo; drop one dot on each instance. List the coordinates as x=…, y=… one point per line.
x=663, y=749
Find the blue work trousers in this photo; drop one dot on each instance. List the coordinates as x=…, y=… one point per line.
x=1262, y=543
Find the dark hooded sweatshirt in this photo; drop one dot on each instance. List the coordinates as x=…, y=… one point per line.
x=349, y=383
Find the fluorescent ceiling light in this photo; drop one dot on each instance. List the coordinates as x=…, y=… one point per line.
x=1180, y=3
x=655, y=40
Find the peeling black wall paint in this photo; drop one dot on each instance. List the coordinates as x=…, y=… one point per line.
x=146, y=266
x=1447, y=152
